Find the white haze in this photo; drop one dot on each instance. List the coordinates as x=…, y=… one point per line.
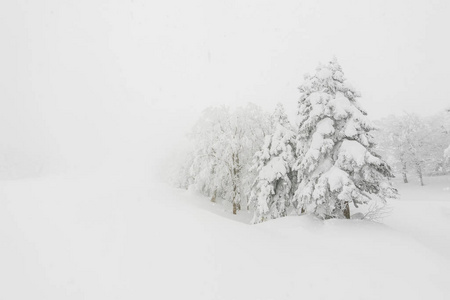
x=95, y=95
x=94, y=83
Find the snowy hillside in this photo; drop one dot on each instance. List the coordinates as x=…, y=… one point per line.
x=97, y=100
x=73, y=238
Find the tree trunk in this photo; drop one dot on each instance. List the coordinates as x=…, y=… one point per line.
x=235, y=200
x=235, y=179
x=443, y=168
x=347, y=211
x=405, y=178
x=213, y=198
x=419, y=172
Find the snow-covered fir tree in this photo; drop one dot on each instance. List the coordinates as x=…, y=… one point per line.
x=279, y=116
x=273, y=188
x=336, y=162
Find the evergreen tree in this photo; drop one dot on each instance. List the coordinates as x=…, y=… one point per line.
x=272, y=191
x=280, y=117
x=336, y=162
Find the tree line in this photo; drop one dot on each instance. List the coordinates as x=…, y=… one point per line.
x=325, y=164
x=416, y=145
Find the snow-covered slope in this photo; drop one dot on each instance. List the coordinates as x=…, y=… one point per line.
x=94, y=96
x=108, y=236
x=423, y=212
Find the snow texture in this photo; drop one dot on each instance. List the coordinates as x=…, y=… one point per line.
x=137, y=238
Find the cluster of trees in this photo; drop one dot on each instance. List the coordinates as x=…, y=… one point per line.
x=224, y=142
x=414, y=144
x=328, y=162
x=323, y=165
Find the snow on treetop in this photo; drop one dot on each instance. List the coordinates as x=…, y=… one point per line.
x=324, y=73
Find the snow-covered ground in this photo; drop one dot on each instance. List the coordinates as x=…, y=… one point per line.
x=109, y=236
x=96, y=94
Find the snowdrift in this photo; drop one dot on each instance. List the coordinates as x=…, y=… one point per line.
x=109, y=237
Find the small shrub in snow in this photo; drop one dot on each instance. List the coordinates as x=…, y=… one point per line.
x=377, y=211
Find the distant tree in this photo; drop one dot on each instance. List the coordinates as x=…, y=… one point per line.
x=179, y=172
x=438, y=138
x=447, y=131
x=225, y=142
x=279, y=117
x=447, y=154
x=392, y=143
x=273, y=188
x=336, y=162
x=416, y=133
x=415, y=142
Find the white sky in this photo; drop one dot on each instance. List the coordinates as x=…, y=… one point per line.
x=72, y=72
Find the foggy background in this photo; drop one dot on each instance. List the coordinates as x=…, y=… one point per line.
x=111, y=84
x=96, y=98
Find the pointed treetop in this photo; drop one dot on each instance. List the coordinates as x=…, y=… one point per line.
x=336, y=162
x=280, y=117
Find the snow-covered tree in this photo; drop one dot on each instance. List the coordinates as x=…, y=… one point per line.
x=416, y=134
x=279, y=117
x=447, y=154
x=437, y=129
x=336, y=162
x=208, y=172
x=225, y=142
x=178, y=170
x=273, y=188
x=392, y=143
x=415, y=143
x=447, y=131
